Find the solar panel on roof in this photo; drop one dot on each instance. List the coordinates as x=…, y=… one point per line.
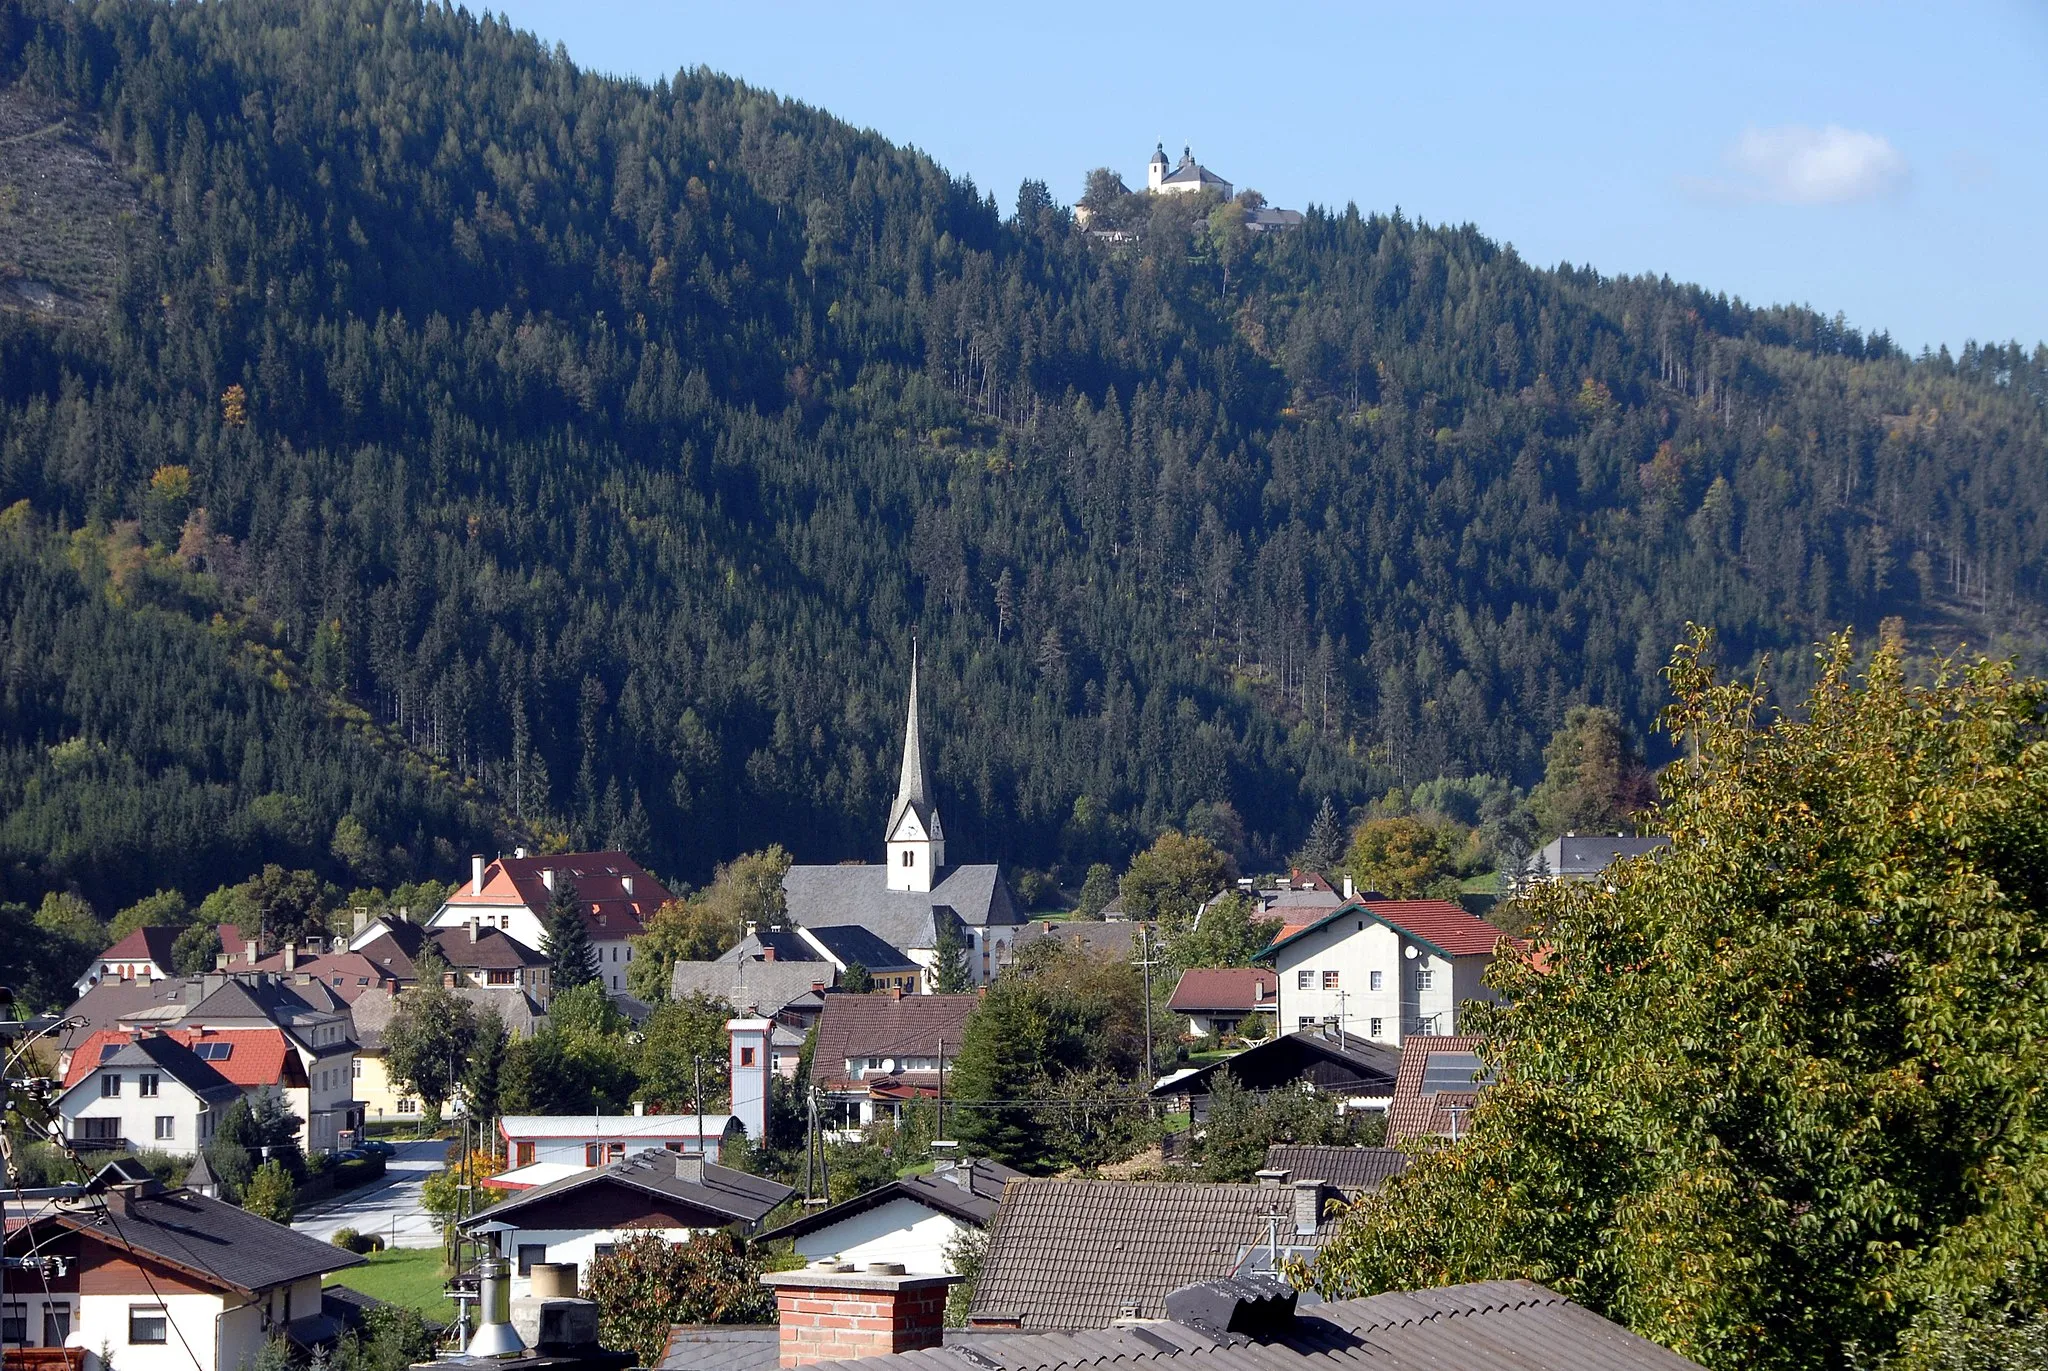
x=108, y=1049
x=213, y=1052
x=1455, y=1071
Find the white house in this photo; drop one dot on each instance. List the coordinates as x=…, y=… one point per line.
x=914, y=1220
x=585, y=1141
x=143, y=955
x=1577, y=857
x=589, y=1213
x=150, y=1279
x=1188, y=178
x=1384, y=970
x=143, y=1090
x=615, y=893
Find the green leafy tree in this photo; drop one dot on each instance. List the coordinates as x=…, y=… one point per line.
x=1098, y=888
x=391, y=1337
x=746, y=890
x=856, y=979
x=1405, y=857
x=1226, y=935
x=1169, y=880
x=1244, y=1123
x=950, y=973
x=683, y=1041
x=68, y=935
x=271, y=1193
x=1594, y=779
x=428, y=1042
x=580, y=1062
x=289, y=905
x=195, y=949
x=164, y=909
x=565, y=940
x=647, y=1285
x=1775, y=1093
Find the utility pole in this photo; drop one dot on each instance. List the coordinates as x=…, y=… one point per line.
x=939, y=1129
x=697, y=1075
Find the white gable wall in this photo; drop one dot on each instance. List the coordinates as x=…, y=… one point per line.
x=1416, y=994
x=900, y=1231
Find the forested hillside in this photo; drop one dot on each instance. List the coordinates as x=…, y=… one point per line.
x=490, y=451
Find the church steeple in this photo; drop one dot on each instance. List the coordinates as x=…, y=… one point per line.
x=916, y=839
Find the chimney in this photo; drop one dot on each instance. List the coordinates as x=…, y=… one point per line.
x=895, y=992
x=476, y=873
x=1348, y=893
x=1275, y=1178
x=639, y=1108
x=1309, y=1198
x=291, y=956
x=520, y=853
x=817, y=987
x=767, y=954
x=690, y=1169
x=362, y=921
x=547, y=878
x=221, y=960
x=472, y=929
x=249, y=954
x=832, y=1311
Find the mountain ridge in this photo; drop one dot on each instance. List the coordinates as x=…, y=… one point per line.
x=608, y=441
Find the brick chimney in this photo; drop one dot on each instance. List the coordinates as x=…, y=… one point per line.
x=1310, y=1197
x=832, y=1311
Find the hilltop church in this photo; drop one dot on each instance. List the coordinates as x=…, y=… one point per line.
x=887, y=917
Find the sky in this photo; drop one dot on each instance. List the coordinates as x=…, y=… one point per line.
x=1885, y=161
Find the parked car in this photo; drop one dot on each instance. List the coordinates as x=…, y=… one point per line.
x=377, y=1148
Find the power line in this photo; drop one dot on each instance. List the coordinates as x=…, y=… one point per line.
x=107, y=1212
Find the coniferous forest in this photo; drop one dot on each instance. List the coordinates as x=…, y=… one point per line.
x=411, y=445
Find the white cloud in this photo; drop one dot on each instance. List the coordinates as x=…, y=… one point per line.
x=1793, y=164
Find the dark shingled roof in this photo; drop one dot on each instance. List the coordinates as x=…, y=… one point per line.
x=769, y=987
x=727, y=1347
x=856, y=1026
x=657, y=1171
x=1455, y=1328
x=834, y=896
x=851, y=945
x=218, y=1244
x=1351, y=1169
x=941, y=1190
x=1079, y=1254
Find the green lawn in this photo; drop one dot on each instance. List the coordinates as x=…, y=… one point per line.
x=410, y=1276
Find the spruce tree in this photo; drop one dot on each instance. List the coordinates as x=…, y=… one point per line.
x=572, y=961
x=950, y=972
x=1325, y=845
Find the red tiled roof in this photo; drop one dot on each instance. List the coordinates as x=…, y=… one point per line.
x=1412, y=1114
x=351, y=968
x=610, y=911
x=261, y=1056
x=1450, y=928
x=852, y=1027
x=1231, y=988
x=145, y=944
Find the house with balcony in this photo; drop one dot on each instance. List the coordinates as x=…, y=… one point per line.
x=146, y=1089
x=876, y=1053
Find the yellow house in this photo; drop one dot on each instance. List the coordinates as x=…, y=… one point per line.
x=372, y=1011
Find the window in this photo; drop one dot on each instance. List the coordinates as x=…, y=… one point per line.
x=907, y=858
x=1453, y=1071
x=166, y=1127
x=1307, y=1021
x=147, y=1324
x=408, y=1106
x=1424, y=979
x=14, y=1324
x=746, y=1056
x=355, y=1069
x=1329, y=980
x=1304, y=980
x=498, y=977
x=529, y=1253
x=523, y=1153
x=605, y=1249
x=56, y=1324
x=99, y=1130
x=149, y=1081
x=593, y=1154
x=616, y=1152
x=110, y=1087
x=1377, y=980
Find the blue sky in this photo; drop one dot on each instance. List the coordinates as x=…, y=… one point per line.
x=1889, y=161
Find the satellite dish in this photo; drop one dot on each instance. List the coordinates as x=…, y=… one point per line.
x=1411, y=952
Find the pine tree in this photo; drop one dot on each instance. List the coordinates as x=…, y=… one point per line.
x=572, y=961
x=1325, y=845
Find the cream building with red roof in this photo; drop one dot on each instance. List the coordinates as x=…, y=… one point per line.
x=1384, y=970
x=511, y=894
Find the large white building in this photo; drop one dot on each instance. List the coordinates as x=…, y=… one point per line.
x=512, y=894
x=1188, y=178
x=1384, y=970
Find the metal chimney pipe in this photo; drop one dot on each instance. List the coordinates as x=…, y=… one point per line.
x=495, y=1336
x=476, y=873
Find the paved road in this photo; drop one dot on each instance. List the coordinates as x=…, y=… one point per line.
x=390, y=1208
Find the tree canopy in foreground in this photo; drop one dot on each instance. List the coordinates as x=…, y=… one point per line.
x=1777, y=1097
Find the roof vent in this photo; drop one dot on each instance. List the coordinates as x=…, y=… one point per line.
x=1256, y=1306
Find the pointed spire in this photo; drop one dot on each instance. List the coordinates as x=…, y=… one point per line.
x=913, y=785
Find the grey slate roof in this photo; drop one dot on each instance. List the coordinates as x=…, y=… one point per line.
x=1585, y=856
x=941, y=1189
x=215, y=1242
x=727, y=1347
x=1454, y=1328
x=657, y=1171
x=768, y=987
x=1352, y=1169
x=1118, y=941
x=834, y=896
x=786, y=945
x=1078, y=1254
x=851, y=945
